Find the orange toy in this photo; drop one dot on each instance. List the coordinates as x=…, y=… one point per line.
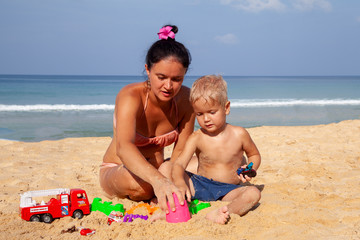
x=149, y=208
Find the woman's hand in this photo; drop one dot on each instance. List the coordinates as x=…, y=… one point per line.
x=164, y=189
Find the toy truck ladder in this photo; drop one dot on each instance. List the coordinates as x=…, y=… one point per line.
x=26, y=198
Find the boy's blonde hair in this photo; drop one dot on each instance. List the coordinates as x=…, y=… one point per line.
x=212, y=88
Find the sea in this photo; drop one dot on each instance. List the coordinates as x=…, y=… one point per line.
x=50, y=107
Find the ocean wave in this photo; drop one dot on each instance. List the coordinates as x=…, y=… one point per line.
x=54, y=107
x=235, y=103
x=251, y=103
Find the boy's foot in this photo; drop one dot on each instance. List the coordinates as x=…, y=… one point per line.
x=220, y=215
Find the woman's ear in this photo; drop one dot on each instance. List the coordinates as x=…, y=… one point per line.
x=147, y=70
x=227, y=107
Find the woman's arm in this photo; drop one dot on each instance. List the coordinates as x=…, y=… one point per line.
x=180, y=164
x=186, y=123
x=128, y=103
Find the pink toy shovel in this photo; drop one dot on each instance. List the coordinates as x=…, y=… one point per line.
x=181, y=213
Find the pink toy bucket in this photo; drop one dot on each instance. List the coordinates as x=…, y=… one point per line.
x=181, y=213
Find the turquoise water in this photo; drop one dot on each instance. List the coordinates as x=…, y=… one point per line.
x=35, y=108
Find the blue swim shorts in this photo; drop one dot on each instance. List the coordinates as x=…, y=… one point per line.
x=208, y=189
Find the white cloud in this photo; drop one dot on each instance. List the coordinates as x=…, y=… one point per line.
x=307, y=5
x=255, y=5
x=277, y=5
x=227, y=39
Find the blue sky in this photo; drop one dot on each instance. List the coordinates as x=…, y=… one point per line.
x=229, y=37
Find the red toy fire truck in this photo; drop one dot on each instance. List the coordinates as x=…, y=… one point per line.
x=68, y=202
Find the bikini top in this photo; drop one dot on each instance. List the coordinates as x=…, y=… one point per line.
x=162, y=140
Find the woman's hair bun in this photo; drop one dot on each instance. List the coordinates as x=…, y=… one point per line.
x=166, y=47
x=174, y=28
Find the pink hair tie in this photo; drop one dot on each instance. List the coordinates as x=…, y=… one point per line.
x=166, y=33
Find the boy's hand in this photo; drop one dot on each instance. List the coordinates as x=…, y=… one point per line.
x=244, y=178
x=184, y=191
x=246, y=173
x=247, y=170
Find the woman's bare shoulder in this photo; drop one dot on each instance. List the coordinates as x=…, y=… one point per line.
x=182, y=98
x=133, y=88
x=131, y=91
x=184, y=91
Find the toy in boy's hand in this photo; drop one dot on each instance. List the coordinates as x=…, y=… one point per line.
x=248, y=171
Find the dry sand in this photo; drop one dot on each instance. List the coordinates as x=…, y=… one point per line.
x=309, y=177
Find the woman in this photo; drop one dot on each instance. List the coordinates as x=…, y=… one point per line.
x=149, y=116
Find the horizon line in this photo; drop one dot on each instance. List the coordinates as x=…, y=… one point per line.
x=133, y=75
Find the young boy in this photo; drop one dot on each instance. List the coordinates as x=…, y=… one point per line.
x=219, y=148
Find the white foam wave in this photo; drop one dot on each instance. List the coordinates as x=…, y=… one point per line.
x=292, y=102
x=54, y=107
x=235, y=103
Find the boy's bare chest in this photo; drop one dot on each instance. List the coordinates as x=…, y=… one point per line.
x=220, y=152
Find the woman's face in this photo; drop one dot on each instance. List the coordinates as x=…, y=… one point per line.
x=166, y=78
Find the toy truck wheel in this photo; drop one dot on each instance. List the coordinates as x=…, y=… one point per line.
x=78, y=214
x=47, y=218
x=35, y=218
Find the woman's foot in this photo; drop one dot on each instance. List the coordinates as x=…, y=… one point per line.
x=159, y=215
x=153, y=201
x=220, y=215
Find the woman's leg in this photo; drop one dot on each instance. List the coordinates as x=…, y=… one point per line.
x=120, y=182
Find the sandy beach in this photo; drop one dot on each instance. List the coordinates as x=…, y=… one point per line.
x=309, y=178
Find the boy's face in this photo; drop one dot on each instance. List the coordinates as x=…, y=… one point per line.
x=211, y=116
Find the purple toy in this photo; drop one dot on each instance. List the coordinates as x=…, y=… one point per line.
x=130, y=217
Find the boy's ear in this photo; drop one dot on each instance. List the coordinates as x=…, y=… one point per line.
x=227, y=107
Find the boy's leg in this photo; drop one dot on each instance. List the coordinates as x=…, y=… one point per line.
x=220, y=215
x=242, y=199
